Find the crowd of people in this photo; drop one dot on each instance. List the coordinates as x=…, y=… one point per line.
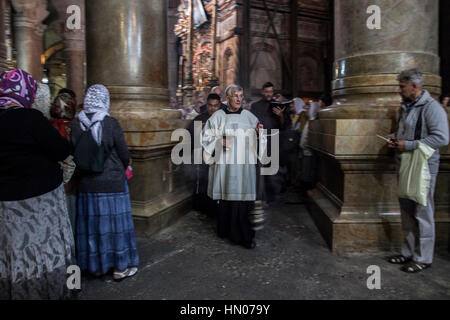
x=235, y=188
x=64, y=197
x=53, y=214
x=227, y=190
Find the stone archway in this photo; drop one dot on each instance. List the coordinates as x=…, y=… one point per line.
x=267, y=67
x=229, y=72
x=309, y=70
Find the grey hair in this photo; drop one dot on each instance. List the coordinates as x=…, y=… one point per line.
x=411, y=76
x=232, y=88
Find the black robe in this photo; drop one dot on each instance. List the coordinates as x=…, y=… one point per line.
x=199, y=176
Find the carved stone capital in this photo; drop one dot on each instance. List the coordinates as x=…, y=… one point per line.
x=31, y=14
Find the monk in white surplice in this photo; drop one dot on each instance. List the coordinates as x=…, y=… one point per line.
x=230, y=144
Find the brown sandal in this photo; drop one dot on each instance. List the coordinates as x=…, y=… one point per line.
x=414, y=267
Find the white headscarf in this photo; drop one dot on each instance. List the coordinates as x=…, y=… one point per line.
x=299, y=105
x=96, y=101
x=42, y=99
x=314, y=110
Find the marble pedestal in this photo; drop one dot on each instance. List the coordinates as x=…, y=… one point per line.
x=160, y=191
x=355, y=205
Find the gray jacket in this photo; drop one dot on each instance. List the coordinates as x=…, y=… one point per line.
x=435, y=132
x=112, y=179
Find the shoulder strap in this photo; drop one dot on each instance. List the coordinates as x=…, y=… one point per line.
x=418, y=130
x=92, y=124
x=398, y=118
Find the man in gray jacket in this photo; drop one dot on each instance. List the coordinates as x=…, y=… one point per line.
x=420, y=118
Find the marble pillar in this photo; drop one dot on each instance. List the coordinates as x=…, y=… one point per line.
x=369, y=60
x=75, y=55
x=172, y=50
x=126, y=50
x=3, y=48
x=29, y=30
x=74, y=45
x=355, y=204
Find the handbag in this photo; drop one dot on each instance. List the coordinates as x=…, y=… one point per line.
x=129, y=172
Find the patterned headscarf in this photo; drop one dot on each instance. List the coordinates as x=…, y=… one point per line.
x=17, y=87
x=42, y=99
x=96, y=101
x=63, y=107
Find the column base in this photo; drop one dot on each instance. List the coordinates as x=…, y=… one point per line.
x=151, y=217
x=355, y=205
x=160, y=191
x=366, y=232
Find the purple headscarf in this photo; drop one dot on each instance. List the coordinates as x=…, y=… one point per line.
x=17, y=87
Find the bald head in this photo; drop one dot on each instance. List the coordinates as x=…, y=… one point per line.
x=216, y=90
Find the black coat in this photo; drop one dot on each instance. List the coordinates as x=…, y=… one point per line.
x=263, y=111
x=30, y=149
x=112, y=179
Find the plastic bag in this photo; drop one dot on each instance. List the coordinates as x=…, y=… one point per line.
x=414, y=176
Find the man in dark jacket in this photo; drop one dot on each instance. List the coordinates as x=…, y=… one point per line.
x=201, y=201
x=218, y=93
x=271, y=117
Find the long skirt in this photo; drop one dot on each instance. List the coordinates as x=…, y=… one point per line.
x=36, y=247
x=233, y=221
x=105, y=232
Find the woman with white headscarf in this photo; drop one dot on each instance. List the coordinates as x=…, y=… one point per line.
x=105, y=233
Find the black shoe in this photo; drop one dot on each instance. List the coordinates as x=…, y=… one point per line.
x=251, y=245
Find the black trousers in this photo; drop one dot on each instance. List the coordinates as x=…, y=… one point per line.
x=204, y=204
x=233, y=221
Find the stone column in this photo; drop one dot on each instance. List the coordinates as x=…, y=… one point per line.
x=74, y=46
x=355, y=204
x=172, y=48
x=126, y=50
x=3, y=27
x=213, y=81
x=189, y=88
x=75, y=52
x=369, y=60
x=29, y=31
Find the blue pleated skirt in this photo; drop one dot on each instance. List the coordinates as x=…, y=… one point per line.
x=105, y=233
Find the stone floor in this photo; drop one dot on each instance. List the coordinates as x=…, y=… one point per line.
x=291, y=262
